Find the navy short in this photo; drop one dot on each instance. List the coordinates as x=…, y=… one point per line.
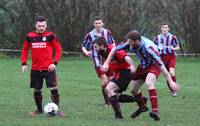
x=122, y=79
x=37, y=77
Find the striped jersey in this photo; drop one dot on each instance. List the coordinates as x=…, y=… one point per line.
x=91, y=36
x=147, y=52
x=165, y=42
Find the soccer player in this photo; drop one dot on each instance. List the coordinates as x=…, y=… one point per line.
x=87, y=49
x=167, y=44
x=122, y=66
x=41, y=42
x=147, y=71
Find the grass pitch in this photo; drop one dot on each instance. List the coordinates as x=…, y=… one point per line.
x=82, y=101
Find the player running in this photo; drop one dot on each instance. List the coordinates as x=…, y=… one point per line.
x=147, y=71
x=167, y=44
x=87, y=49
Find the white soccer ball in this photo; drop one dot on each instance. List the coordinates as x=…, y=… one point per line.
x=51, y=109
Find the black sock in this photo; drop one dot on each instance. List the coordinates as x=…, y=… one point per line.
x=126, y=98
x=55, y=96
x=115, y=104
x=38, y=100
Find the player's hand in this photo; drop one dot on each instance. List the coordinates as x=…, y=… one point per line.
x=88, y=53
x=105, y=67
x=52, y=67
x=24, y=68
x=174, y=86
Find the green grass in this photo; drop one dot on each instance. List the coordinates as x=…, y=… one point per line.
x=81, y=97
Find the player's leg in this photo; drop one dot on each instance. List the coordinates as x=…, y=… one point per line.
x=123, y=81
x=150, y=81
x=172, y=66
x=141, y=101
x=112, y=89
x=104, y=82
x=51, y=82
x=36, y=83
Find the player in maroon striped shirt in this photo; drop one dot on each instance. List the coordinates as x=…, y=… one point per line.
x=98, y=31
x=167, y=44
x=42, y=43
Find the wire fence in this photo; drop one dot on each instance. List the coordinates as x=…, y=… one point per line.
x=71, y=53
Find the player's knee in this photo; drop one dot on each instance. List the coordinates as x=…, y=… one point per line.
x=54, y=92
x=172, y=73
x=134, y=91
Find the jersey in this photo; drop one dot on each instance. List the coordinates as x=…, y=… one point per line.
x=41, y=46
x=147, y=52
x=91, y=36
x=118, y=62
x=164, y=43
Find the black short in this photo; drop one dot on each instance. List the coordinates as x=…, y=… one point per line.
x=37, y=77
x=122, y=79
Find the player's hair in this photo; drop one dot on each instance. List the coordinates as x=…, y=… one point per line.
x=100, y=41
x=98, y=18
x=164, y=23
x=133, y=35
x=40, y=19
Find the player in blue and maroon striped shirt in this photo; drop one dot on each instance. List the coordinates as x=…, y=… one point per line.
x=167, y=44
x=87, y=49
x=148, y=71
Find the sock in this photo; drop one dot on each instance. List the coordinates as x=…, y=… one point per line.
x=115, y=104
x=174, y=78
x=153, y=100
x=38, y=100
x=139, y=100
x=55, y=96
x=126, y=98
x=105, y=96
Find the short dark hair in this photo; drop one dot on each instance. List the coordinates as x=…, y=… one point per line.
x=133, y=35
x=97, y=18
x=100, y=41
x=40, y=19
x=164, y=23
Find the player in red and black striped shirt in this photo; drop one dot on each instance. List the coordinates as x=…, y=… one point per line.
x=42, y=43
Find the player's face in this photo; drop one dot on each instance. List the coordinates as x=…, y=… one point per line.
x=96, y=47
x=98, y=24
x=41, y=27
x=165, y=29
x=134, y=43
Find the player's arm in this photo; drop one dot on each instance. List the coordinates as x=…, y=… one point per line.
x=24, y=55
x=58, y=53
x=86, y=42
x=175, y=43
x=130, y=62
x=110, y=38
x=111, y=54
x=157, y=59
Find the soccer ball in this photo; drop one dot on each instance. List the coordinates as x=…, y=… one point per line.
x=51, y=109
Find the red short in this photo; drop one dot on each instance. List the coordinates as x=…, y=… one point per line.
x=142, y=73
x=99, y=72
x=169, y=60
